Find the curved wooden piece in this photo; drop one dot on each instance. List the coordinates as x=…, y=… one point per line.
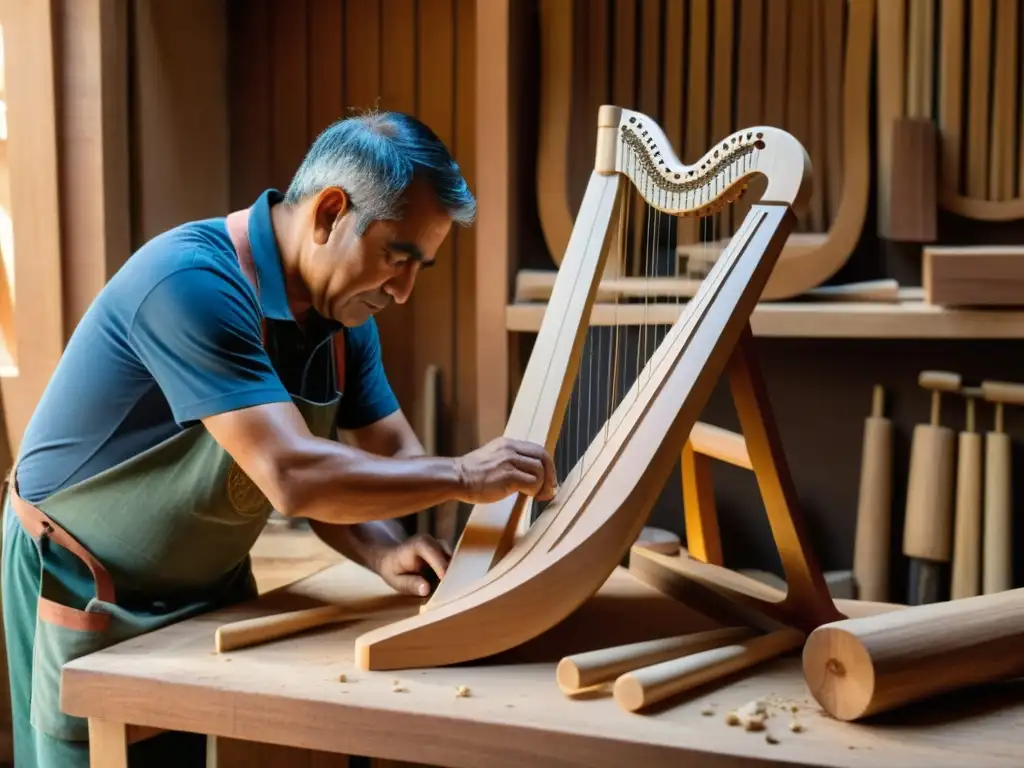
x=808, y=259
x=593, y=520
x=633, y=146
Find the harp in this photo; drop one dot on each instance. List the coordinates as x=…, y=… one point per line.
x=501, y=589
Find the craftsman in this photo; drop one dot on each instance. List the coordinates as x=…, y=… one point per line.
x=233, y=367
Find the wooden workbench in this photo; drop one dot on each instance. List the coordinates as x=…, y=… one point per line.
x=288, y=693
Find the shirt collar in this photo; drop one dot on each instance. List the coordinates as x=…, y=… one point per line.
x=265, y=253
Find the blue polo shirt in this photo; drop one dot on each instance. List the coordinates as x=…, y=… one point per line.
x=174, y=337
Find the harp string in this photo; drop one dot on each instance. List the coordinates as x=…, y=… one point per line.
x=610, y=364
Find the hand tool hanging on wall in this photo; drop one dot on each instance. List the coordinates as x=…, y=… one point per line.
x=966, y=577
x=997, y=558
x=873, y=544
x=929, y=512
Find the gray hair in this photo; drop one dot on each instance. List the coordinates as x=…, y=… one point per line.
x=374, y=157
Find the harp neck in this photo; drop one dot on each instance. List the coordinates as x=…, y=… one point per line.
x=632, y=144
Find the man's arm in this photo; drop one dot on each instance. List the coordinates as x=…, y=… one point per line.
x=363, y=543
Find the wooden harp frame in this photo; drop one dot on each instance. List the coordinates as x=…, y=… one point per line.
x=500, y=592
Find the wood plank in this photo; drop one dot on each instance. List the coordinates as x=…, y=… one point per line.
x=950, y=117
x=326, y=36
x=978, y=276
x=288, y=692
x=433, y=300
x=911, y=318
x=978, y=101
x=722, y=88
x=398, y=89
x=697, y=101
x=31, y=101
x=817, y=116
x=1003, y=159
x=835, y=55
x=289, y=125
x=94, y=170
x=493, y=169
x=749, y=77
x=362, y=54
x=250, y=105
x=798, y=83
x=891, y=85
x=464, y=438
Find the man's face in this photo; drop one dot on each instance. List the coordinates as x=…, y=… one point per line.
x=352, y=276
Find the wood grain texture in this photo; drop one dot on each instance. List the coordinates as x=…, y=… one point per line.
x=289, y=693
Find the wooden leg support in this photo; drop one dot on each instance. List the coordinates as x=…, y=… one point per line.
x=108, y=744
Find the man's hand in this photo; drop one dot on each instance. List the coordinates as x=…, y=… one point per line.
x=505, y=466
x=400, y=564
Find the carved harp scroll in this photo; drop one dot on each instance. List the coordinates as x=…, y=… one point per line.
x=499, y=591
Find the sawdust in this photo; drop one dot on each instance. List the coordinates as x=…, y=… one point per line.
x=462, y=691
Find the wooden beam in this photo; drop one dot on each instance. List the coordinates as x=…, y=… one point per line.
x=94, y=175
x=493, y=253
x=28, y=31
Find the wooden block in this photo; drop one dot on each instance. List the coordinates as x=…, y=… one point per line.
x=977, y=276
x=914, y=191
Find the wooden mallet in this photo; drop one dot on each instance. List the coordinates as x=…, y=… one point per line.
x=927, y=527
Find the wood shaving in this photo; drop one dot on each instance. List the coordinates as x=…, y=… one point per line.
x=771, y=739
x=732, y=719
x=752, y=715
x=795, y=727
x=462, y=691
x=342, y=678
x=707, y=711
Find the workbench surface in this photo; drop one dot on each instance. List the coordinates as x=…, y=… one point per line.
x=288, y=692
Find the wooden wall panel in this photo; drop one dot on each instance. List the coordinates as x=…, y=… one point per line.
x=334, y=58
x=180, y=152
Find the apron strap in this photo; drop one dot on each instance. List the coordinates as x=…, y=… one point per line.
x=238, y=230
x=39, y=525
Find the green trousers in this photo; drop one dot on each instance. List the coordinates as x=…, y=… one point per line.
x=23, y=562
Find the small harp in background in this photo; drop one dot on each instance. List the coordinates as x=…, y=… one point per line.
x=502, y=590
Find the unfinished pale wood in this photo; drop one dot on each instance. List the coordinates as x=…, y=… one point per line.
x=997, y=542
x=536, y=285
x=973, y=276
x=658, y=539
x=872, y=543
x=978, y=105
x=583, y=670
x=515, y=715
x=539, y=407
x=910, y=318
x=861, y=667
x=700, y=514
x=891, y=100
x=950, y=102
x=927, y=528
x=649, y=685
x=242, y=634
x=496, y=191
x=108, y=744
x=966, y=571
x=1002, y=157
x=566, y=555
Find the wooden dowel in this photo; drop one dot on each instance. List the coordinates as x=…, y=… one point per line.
x=583, y=670
x=643, y=687
x=241, y=634
x=859, y=667
x=721, y=444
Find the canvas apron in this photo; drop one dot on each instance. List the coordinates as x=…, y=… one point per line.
x=149, y=542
